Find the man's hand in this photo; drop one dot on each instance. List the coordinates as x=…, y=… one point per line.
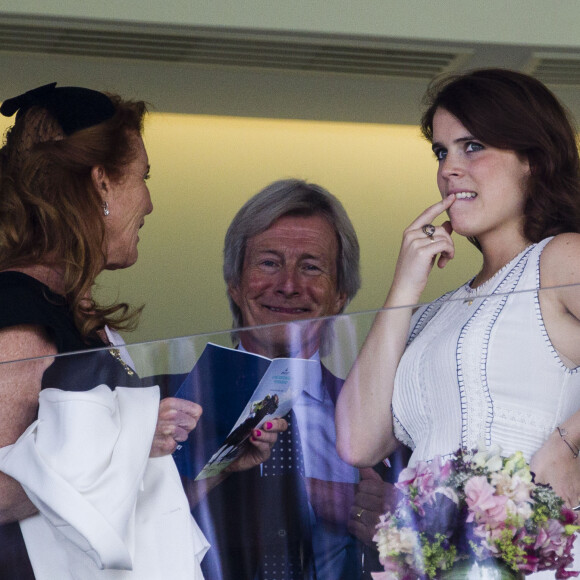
x=330, y=500
x=373, y=498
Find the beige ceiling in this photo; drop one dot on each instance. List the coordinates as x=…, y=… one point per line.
x=260, y=73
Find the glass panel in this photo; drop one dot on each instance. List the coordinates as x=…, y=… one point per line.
x=498, y=369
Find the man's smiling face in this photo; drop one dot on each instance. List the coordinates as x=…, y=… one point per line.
x=289, y=274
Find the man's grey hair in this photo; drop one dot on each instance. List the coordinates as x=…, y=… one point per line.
x=283, y=198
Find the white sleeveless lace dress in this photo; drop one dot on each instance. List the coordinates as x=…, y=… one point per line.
x=479, y=366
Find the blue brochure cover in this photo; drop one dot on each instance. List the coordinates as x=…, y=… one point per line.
x=222, y=381
x=238, y=391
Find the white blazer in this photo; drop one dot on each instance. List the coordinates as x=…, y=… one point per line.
x=106, y=510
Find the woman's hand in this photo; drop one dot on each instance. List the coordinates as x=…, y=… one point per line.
x=418, y=254
x=176, y=419
x=258, y=448
x=364, y=432
x=555, y=464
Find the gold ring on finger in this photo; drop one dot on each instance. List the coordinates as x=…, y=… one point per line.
x=428, y=230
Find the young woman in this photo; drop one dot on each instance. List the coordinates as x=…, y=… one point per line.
x=485, y=362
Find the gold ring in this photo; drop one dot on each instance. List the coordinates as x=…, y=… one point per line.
x=428, y=230
x=359, y=514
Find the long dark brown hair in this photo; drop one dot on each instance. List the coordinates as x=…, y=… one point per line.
x=50, y=211
x=511, y=110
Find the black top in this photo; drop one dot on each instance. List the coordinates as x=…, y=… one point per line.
x=25, y=300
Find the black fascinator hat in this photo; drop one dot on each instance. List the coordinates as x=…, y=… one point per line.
x=74, y=108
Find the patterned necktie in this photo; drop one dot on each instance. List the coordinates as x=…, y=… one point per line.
x=286, y=456
x=289, y=556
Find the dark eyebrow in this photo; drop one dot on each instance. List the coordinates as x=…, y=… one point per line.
x=437, y=145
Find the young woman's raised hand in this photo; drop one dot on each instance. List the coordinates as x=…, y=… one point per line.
x=421, y=245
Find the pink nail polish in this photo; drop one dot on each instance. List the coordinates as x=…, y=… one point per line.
x=269, y=425
x=258, y=433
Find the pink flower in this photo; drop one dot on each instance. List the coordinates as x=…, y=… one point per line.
x=441, y=469
x=420, y=476
x=512, y=486
x=551, y=539
x=483, y=504
x=480, y=505
x=568, y=516
x=530, y=565
x=483, y=549
x=394, y=570
x=566, y=560
x=555, y=550
x=418, y=483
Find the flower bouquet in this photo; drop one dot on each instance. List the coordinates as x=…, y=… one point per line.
x=474, y=509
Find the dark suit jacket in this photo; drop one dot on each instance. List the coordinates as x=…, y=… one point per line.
x=246, y=515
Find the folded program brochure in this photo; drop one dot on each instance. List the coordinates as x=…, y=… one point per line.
x=238, y=392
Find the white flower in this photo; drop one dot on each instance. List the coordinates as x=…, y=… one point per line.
x=522, y=510
x=488, y=458
x=513, y=486
x=393, y=541
x=516, y=464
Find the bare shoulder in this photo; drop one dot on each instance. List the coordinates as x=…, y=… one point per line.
x=24, y=341
x=560, y=261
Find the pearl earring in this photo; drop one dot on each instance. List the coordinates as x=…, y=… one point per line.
x=106, y=208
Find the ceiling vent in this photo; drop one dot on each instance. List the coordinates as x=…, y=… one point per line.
x=229, y=48
x=555, y=68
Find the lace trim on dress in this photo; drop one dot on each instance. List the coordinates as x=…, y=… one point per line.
x=477, y=408
x=401, y=434
x=428, y=313
x=510, y=264
x=523, y=418
x=567, y=365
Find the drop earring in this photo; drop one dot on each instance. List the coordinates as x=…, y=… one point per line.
x=106, y=208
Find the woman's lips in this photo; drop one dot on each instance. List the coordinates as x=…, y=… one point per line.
x=465, y=194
